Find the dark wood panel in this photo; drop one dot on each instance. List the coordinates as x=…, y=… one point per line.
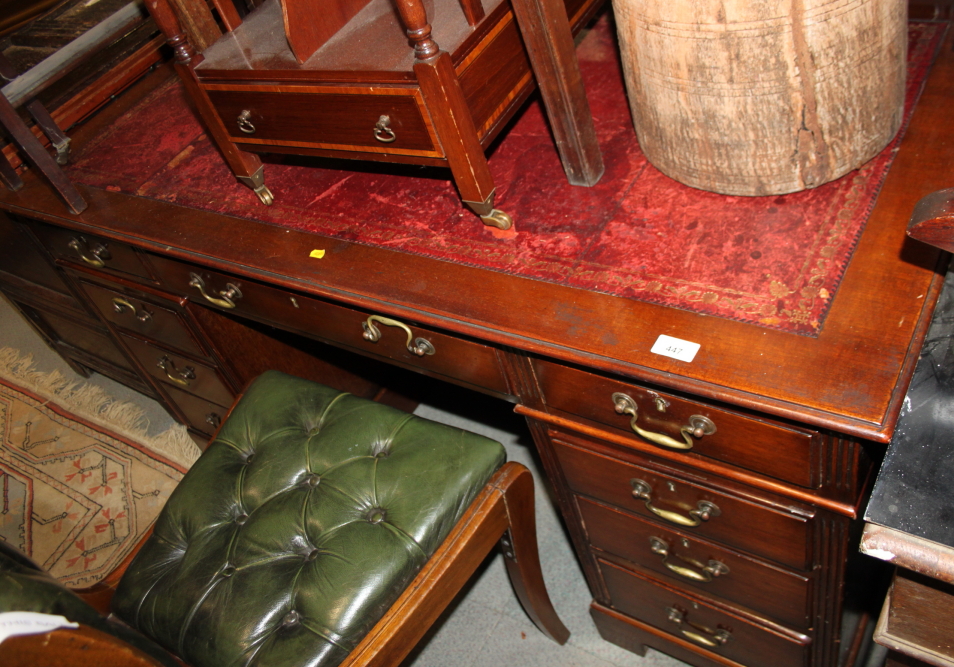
x=494, y=79
x=778, y=450
x=454, y=357
x=756, y=528
x=200, y=414
x=175, y=370
x=918, y=619
x=746, y=641
x=91, y=250
x=312, y=117
x=686, y=560
x=20, y=257
x=79, y=334
x=145, y=315
x=248, y=349
x=636, y=636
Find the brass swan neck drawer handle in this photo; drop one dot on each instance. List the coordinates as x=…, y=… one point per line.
x=229, y=295
x=95, y=256
x=703, y=512
x=697, y=427
x=417, y=346
x=121, y=305
x=698, y=633
x=698, y=571
x=182, y=378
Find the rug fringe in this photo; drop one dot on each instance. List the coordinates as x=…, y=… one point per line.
x=96, y=405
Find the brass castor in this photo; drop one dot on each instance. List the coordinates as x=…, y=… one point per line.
x=265, y=195
x=497, y=218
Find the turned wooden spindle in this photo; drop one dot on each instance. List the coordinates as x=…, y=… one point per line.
x=414, y=17
x=165, y=17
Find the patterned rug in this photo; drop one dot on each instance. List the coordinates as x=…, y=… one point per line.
x=774, y=261
x=76, y=497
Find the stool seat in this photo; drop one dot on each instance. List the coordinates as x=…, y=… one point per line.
x=301, y=524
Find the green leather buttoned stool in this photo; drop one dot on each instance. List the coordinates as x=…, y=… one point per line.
x=319, y=528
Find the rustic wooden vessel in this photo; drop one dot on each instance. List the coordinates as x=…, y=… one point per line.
x=760, y=97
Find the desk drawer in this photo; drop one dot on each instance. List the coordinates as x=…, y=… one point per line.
x=715, y=628
x=742, y=523
x=202, y=415
x=691, y=562
x=325, y=117
x=461, y=359
x=93, y=251
x=177, y=371
x=81, y=335
x=135, y=312
x=771, y=448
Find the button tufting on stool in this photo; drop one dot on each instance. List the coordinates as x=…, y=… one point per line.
x=346, y=501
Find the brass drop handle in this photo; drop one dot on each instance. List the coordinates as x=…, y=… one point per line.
x=95, y=256
x=244, y=122
x=229, y=295
x=698, y=633
x=418, y=346
x=121, y=305
x=704, y=573
x=703, y=512
x=182, y=378
x=383, y=131
x=213, y=419
x=697, y=427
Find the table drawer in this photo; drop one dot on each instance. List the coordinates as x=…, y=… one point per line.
x=715, y=628
x=178, y=371
x=202, y=415
x=775, y=533
x=691, y=562
x=93, y=251
x=135, y=312
x=771, y=448
x=326, y=117
x=461, y=359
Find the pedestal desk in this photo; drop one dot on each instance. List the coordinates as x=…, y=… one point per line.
x=733, y=552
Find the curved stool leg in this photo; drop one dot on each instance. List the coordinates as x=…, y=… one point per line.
x=522, y=557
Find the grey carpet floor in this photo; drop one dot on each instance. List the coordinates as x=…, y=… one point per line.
x=485, y=625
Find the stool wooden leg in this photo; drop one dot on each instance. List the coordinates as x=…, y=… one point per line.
x=523, y=559
x=508, y=494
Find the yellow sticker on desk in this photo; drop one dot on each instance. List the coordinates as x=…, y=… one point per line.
x=317, y=254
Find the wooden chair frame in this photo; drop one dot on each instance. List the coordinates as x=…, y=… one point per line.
x=503, y=512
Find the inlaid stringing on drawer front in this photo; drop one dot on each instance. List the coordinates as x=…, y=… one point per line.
x=742, y=523
x=327, y=117
x=770, y=448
